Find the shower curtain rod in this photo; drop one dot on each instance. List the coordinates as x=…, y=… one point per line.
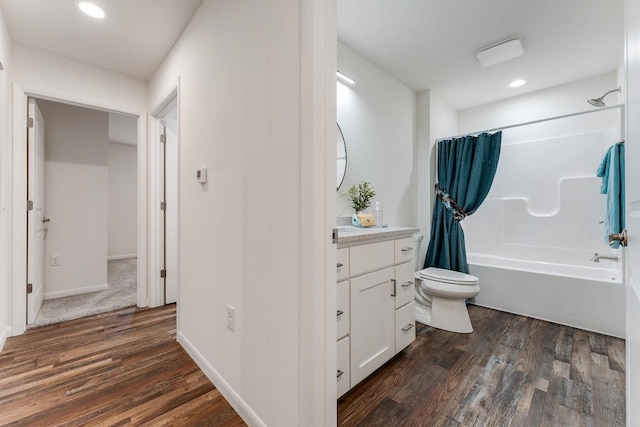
x=533, y=122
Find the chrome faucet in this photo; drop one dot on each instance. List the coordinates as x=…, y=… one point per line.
x=597, y=257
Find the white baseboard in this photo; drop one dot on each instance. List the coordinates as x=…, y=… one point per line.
x=115, y=257
x=234, y=399
x=77, y=291
x=6, y=333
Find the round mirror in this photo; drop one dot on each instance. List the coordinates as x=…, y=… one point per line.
x=342, y=157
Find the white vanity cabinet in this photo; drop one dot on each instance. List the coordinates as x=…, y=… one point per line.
x=375, y=318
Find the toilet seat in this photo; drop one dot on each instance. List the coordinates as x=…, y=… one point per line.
x=450, y=277
x=450, y=290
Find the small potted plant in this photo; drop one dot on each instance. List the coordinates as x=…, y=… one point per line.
x=360, y=196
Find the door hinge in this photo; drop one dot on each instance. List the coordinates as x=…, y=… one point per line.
x=163, y=273
x=163, y=138
x=29, y=288
x=163, y=206
x=29, y=205
x=334, y=236
x=30, y=122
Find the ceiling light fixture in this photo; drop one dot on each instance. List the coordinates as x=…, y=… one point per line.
x=342, y=76
x=92, y=9
x=517, y=83
x=499, y=52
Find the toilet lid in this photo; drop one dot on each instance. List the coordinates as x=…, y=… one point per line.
x=447, y=276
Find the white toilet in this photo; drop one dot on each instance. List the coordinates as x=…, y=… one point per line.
x=441, y=296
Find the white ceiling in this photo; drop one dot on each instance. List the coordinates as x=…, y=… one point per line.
x=431, y=44
x=134, y=39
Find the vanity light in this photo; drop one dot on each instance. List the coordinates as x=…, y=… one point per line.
x=342, y=76
x=92, y=9
x=517, y=83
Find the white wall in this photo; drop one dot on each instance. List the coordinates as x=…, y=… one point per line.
x=240, y=236
x=123, y=200
x=564, y=99
x=54, y=76
x=377, y=116
x=76, y=194
x=6, y=232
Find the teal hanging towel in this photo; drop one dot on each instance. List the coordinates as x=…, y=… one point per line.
x=466, y=168
x=611, y=170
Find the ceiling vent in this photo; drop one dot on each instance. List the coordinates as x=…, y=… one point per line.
x=499, y=52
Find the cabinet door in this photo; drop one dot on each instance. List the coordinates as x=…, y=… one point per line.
x=372, y=323
x=343, y=309
x=405, y=288
x=342, y=376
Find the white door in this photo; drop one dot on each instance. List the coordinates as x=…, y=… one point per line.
x=632, y=255
x=163, y=215
x=372, y=323
x=36, y=221
x=171, y=213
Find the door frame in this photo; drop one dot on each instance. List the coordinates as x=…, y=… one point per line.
x=18, y=218
x=156, y=295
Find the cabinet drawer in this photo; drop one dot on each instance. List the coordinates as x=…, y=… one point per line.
x=368, y=258
x=343, y=309
x=405, y=250
x=342, y=257
x=405, y=326
x=343, y=375
x=405, y=289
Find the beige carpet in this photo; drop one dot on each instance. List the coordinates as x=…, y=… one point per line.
x=122, y=281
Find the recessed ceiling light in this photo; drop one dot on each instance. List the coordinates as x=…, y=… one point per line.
x=342, y=76
x=517, y=83
x=92, y=9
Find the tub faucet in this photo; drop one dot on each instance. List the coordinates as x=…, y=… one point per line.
x=597, y=257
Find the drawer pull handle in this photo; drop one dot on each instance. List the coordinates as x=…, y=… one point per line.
x=406, y=285
x=407, y=249
x=340, y=313
x=394, y=287
x=407, y=328
x=340, y=265
x=339, y=373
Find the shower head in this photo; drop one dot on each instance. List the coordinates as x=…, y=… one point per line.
x=598, y=102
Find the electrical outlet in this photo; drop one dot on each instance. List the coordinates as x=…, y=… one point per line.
x=231, y=318
x=56, y=260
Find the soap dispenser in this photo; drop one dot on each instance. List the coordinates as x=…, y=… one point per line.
x=377, y=214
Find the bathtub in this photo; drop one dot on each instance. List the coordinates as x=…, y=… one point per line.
x=586, y=297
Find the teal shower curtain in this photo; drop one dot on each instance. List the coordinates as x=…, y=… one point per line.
x=466, y=168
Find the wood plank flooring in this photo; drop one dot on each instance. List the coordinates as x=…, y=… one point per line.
x=118, y=368
x=512, y=371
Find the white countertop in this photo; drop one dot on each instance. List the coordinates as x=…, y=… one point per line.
x=351, y=234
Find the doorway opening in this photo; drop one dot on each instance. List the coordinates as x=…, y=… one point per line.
x=82, y=226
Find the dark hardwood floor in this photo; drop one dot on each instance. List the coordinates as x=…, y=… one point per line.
x=125, y=368
x=512, y=371
x=118, y=368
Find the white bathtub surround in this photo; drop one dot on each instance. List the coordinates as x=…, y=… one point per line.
x=532, y=242
x=590, y=298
